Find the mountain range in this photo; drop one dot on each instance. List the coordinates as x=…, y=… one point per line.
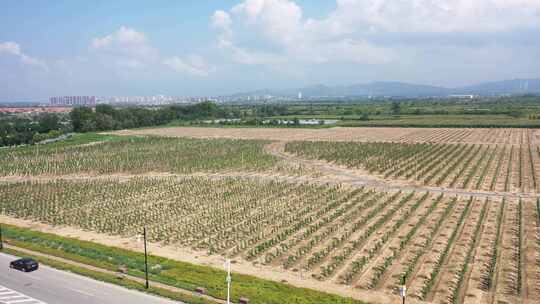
x=401, y=89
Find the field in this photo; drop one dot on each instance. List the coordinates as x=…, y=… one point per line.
x=504, y=168
x=137, y=155
x=415, y=135
x=453, y=212
x=447, y=120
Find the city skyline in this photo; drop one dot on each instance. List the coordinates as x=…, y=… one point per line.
x=205, y=48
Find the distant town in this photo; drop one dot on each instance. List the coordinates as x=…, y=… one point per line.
x=157, y=100
x=375, y=91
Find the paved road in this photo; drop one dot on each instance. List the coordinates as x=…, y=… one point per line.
x=51, y=286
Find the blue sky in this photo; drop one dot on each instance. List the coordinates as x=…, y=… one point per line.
x=221, y=47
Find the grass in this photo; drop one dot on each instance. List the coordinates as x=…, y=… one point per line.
x=450, y=120
x=174, y=273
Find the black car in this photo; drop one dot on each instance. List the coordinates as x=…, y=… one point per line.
x=24, y=264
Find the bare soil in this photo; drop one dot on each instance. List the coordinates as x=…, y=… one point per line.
x=454, y=135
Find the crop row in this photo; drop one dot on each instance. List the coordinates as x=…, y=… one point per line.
x=429, y=283
x=488, y=275
x=460, y=275
x=450, y=165
x=404, y=241
x=491, y=136
x=342, y=235
x=138, y=155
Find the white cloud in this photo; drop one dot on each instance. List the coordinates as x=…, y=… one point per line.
x=279, y=20
x=13, y=48
x=99, y=43
x=436, y=15
x=280, y=26
x=221, y=20
x=124, y=36
x=193, y=64
x=277, y=32
x=131, y=49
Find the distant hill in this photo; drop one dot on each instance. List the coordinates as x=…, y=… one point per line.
x=515, y=86
x=401, y=89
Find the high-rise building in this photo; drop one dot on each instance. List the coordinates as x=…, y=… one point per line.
x=72, y=101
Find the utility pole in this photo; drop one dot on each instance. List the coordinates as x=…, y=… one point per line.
x=1, y=239
x=229, y=279
x=145, y=259
x=403, y=290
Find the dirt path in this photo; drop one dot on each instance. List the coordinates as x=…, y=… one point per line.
x=332, y=172
x=334, y=175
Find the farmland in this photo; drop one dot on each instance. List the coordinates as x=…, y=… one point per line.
x=505, y=168
x=411, y=135
x=455, y=212
x=356, y=237
x=137, y=155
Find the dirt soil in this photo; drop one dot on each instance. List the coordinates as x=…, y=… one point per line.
x=454, y=135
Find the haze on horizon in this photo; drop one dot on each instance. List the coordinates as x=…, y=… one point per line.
x=222, y=47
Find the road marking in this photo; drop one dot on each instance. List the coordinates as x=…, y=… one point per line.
x=9, y=296
x=5, y=292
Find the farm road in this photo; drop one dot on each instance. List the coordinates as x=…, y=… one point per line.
x=357, y=178
x=336, y=177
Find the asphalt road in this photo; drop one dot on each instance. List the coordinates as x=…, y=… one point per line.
x=51, y=286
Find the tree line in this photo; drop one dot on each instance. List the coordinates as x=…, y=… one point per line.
x=17, y=130
x=28, y=129
x=105, y=117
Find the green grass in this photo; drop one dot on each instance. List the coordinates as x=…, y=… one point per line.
x=175, y=273
x=451, y=120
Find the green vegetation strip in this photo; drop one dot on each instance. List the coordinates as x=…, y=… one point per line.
x=442, y=121
x=178, y=274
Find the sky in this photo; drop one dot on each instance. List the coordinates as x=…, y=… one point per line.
x=208, y=47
